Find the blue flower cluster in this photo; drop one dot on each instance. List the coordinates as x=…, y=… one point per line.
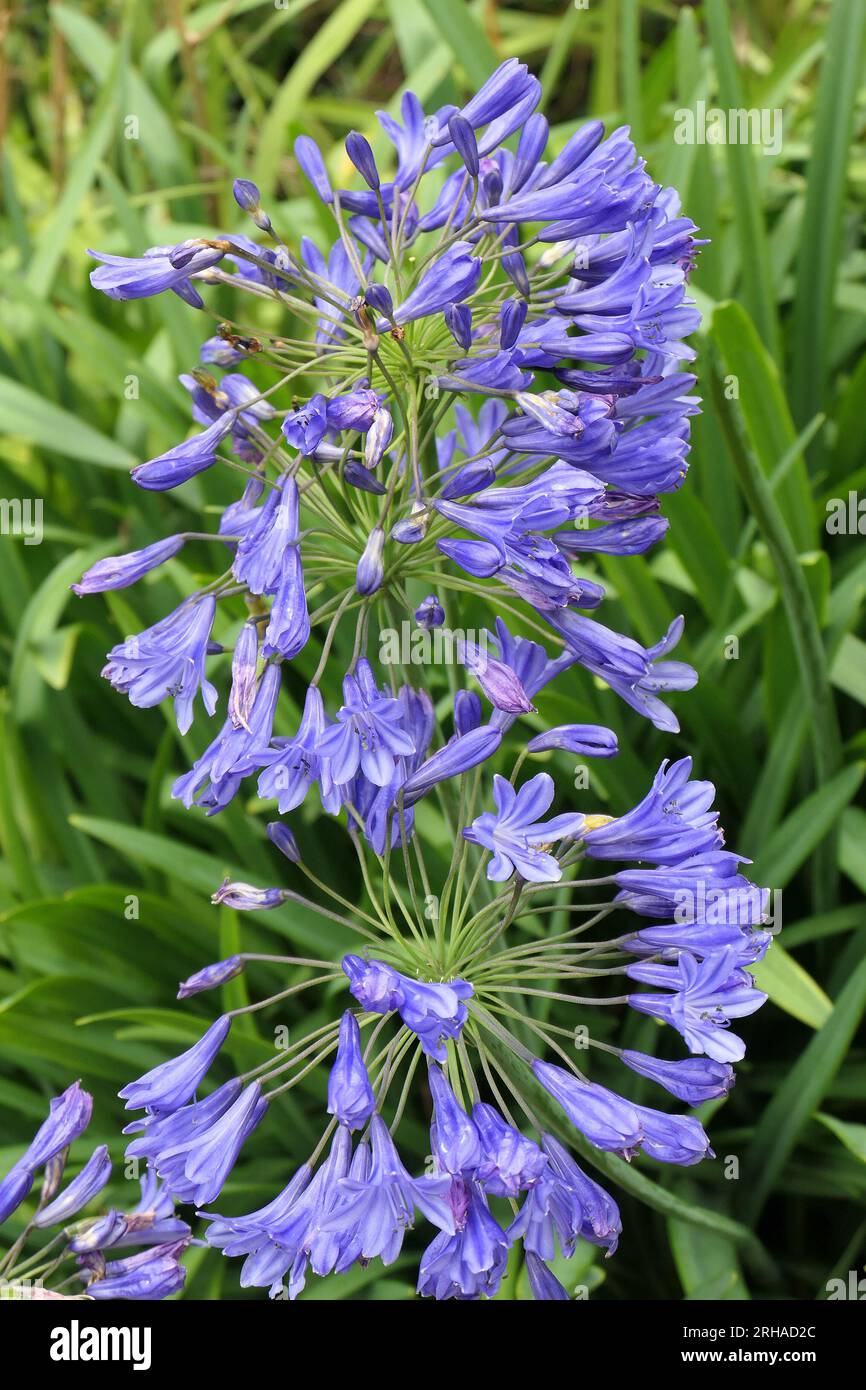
x=358, y=1204
x=491, y=362
x=571, y=337
x=90, y=1243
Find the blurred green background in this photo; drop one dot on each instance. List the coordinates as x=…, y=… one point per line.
x=123, y=126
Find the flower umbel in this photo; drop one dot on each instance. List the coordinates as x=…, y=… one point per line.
x=472, y=393
x=451, y=991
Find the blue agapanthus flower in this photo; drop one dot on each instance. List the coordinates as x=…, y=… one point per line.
x=543, y=300
x=515, y=835
x=475, y=390
x=79, y=1256
x=448, y=993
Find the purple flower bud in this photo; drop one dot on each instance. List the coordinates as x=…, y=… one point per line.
x=53, y=1175
x=68, y=1119
x=491, y=185
x=197, y=253
x=211, y=976
x=359, y=151
x=378, y=437
x=549, y=413
x=288, y=630
x=472, y=477
x=606, y=1119
x=515, y=268
x=182, y=462
x=454, y=1136
x=572, y=155
x=530, y=148
x=81, y=1190
x=508, y=85
x=458, y=756
x=512, y=317
x=309, y=156
x=245, y=898
x=467, y=711
x=500, y=683
x=694, y=1079
x=466, y=145
x=371, y=568
x=354, y=411
x=151, y=1274
x=246, y=195
x=350, y=1095
x=284, y=839
x=170, y=1085
x=587, y=740
x=105, y=1230
x=119, y=571
x=219, y=352
x=458, y=317
x=430, y=613
x=248, y=199
x=356, y=474
x=630, y=537
x=379, y=299
x=243, y=691
x=480, y=558
x=673, y=1138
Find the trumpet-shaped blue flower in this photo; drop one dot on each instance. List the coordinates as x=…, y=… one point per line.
x=455, y=1139
x=194, y=1169
x=707, y=995
x=167, y=659
x=382, y=1205
x=510, y=1162
x=607, y=1120
x=471, y=1260
x=516, y=836
x=160, y=268
x=168, y=1086
x=673, y=822
x=119, y=571
x=350, y=1095
x=367, y=733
